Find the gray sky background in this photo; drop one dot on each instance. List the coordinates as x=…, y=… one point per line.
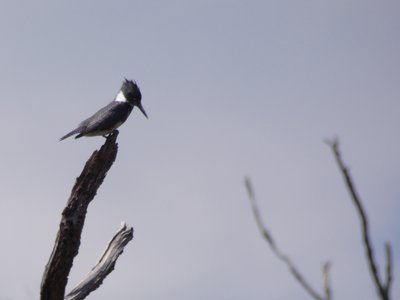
x=232, y=88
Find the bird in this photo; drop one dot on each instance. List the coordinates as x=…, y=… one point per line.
x=113, y=115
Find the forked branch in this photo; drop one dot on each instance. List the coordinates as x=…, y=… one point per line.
x=382, y=288
x=271, y=242
x=68, y=238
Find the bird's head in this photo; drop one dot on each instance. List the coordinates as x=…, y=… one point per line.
x=132, y=94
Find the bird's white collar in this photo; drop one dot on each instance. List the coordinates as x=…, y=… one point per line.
x=120, y=97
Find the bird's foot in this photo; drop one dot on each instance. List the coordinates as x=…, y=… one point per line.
x=115, y=131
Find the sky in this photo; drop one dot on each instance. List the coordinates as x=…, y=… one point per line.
x=232, y=89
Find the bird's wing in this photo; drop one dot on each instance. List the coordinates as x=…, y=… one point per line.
x=107, y=117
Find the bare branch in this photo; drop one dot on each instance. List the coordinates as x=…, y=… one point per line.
x=389, y=263
x=256, y=213
x=68, y=238
x=382, y=291
x=104, y=266
x=327, y=287
x=268, y=237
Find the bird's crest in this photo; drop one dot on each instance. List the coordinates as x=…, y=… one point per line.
x=131, y=91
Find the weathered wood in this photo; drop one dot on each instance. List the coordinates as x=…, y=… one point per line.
x=68, y=238
x=104, y=266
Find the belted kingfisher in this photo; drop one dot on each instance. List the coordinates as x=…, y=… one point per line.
x=112, y=115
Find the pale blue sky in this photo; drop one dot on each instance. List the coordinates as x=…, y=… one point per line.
x=232, y=88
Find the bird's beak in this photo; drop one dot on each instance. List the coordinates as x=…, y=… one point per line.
x=142, y=110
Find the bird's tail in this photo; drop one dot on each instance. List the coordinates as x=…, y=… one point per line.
x=77, y=130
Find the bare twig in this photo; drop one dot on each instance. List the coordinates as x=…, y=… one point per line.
x=104, y=266
x=268, y=237
x=382, y=290
x=68, y=238
x=327, y=287
x=389, y=277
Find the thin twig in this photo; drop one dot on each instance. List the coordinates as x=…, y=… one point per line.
x=382, y=291
x=268, y=237
x=327, y=287
x=389, y=263
x=104, y=266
